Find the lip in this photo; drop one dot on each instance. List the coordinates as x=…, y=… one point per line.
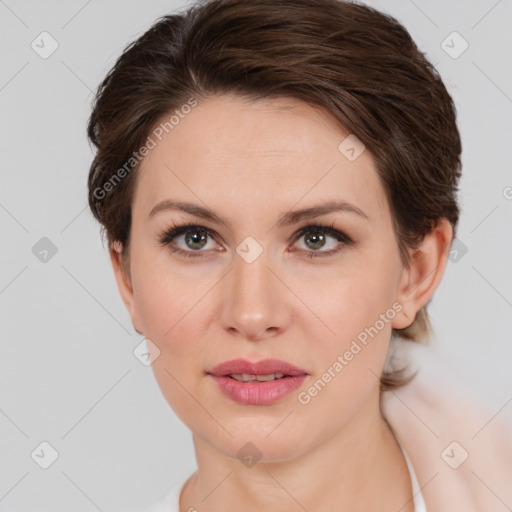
x=263, y=367
x=257, y=393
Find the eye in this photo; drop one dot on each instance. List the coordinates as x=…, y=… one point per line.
x=195, y=238
x=315, y=236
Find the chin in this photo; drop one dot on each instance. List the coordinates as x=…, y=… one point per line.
x=261, y=441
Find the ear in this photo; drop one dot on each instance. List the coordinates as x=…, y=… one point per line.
x=421, y=279
x=124, y=284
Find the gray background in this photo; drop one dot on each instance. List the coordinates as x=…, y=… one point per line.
x=69, y=376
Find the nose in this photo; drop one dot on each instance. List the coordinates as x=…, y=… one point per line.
x=256, y=303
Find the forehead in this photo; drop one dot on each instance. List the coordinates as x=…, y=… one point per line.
x=238, y=152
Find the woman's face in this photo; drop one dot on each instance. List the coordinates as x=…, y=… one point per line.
x=248, y=289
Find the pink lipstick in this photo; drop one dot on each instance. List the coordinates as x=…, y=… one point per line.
x=260, y=383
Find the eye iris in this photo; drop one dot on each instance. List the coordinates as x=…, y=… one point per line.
x=319, y=237
x=196, y=236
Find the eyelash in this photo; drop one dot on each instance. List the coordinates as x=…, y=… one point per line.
x=168, y=235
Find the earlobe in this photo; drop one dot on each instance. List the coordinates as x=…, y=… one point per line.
x=421, y=279
x=124, y=285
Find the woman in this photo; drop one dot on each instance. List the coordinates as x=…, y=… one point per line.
x=277, y=182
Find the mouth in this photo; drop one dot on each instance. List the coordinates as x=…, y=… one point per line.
x=262, y=383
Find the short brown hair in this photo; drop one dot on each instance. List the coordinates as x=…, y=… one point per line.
x=356, y=63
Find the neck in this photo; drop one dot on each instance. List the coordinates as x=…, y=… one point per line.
x=360, y=468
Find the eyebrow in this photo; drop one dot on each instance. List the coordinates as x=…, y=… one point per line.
x=286, y=219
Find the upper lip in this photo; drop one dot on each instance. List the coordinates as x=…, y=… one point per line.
x=264, y=367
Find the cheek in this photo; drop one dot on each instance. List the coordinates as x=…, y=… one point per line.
x=354, y=311
x=170, y=305
x=348, y=298
x=166, y=299
x=349, y=360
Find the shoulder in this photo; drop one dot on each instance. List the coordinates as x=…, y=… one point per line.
x=460, y=445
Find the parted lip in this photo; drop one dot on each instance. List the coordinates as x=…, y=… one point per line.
x=263, y=367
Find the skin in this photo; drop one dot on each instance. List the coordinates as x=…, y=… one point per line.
x=251, y=162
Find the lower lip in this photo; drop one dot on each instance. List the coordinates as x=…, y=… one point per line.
x=258, y=393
